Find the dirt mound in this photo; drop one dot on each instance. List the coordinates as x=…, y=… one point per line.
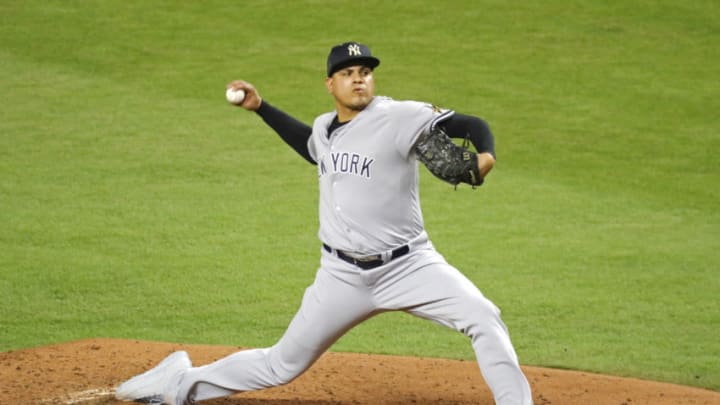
x=85, y=372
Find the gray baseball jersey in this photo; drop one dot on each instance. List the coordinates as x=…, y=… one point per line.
x=369, y=198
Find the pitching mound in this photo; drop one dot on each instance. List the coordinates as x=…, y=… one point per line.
x=86, y=372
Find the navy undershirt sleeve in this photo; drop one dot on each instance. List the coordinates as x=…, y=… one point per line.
x=294, y=132
x=474, y=128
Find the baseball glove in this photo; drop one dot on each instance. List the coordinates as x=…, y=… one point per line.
x=446, y=160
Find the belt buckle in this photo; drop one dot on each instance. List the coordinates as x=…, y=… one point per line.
x=367, y=258
x=368, y=262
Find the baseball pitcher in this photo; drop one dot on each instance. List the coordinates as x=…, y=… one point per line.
x=375, y=255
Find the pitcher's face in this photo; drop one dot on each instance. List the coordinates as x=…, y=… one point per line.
x=353, y=87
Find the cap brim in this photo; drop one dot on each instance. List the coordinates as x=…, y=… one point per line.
x=368, y=61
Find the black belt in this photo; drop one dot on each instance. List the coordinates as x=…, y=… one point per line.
x=372, y=261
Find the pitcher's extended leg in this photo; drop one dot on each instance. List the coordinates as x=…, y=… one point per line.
x=329, y=308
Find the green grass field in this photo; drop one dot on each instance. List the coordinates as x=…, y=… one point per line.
x=135, y=203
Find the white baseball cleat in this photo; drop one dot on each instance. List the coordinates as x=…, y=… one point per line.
x=150, y=386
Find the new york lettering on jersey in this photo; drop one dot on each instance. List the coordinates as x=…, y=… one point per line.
x=347, y=163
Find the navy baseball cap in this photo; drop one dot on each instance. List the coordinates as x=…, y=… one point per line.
x=350, y=54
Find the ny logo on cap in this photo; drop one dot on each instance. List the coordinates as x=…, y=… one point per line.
x=354, y=50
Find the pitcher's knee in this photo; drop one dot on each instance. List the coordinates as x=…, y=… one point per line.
x=481, y=316
x=286, y=373
x=286, y=368
x=283, y=377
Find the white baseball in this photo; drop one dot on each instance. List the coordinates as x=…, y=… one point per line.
x=235, y=96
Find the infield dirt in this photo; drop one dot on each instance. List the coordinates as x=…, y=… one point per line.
x=86, y=372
